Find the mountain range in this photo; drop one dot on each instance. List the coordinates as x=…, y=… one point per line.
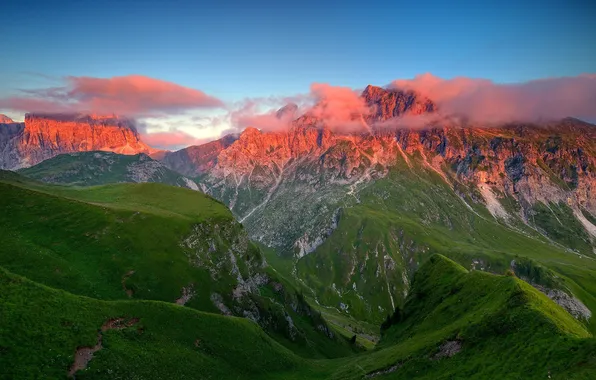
x=329, y=235
x=325, y=201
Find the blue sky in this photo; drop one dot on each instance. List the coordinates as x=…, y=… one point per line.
x=238, y=49
x=241, y=48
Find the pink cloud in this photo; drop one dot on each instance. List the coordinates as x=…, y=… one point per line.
x=265, y=121
x=31, y=104
x=340, y=108
x=413, y=121
x=482, y=100
x=248, y=115
x=439, y=89
x=132, y=95
x=337, y=108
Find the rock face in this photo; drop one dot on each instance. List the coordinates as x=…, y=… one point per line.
x=44, y=136
x=573, y=306
x=225, y=251
x=387, y=104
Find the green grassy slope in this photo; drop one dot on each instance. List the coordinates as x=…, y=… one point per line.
x=399, y=221
x=98, y=168
x=87, y=249
x=506, y=329
x=72, y=259
x=558, y=222
x=141, y=241
x=41, y=328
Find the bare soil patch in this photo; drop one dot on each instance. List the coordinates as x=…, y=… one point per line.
x=83, y=355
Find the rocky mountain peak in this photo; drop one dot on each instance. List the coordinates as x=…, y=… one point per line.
x=5, y=119
x=289, y=110
x=372, y=91
x=389, y=103
x=250, y=132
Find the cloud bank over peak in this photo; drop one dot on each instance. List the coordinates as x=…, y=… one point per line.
x=338, y=108
x=171, y=116
x=250, y=114
x=481, y=101
x=171, y=140
x=484, y=101
x=341, y=108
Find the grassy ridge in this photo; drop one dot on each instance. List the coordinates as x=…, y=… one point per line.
x=559, y=223
x=506, y=329
x=124, y=241
x=42, y=327
x=87, y=249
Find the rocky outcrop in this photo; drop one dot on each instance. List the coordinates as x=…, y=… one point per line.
x=238, y=270
x=387, y=104
x=568, y=302
x=43, y=136
x=223, y=248
x=448, y=349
